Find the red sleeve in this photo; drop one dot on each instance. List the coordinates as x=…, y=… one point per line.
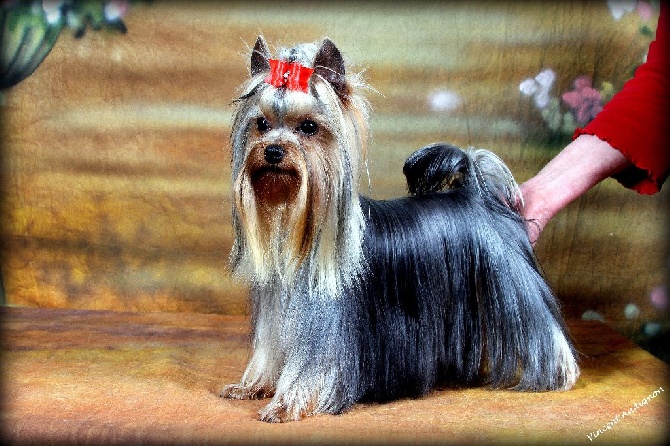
x=635, y=120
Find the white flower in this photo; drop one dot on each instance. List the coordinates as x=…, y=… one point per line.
x=444, y=101
x=52, y=10
x=542, y=99
x=116, y=9
x=539, y=87
x=546, y=78
x=618, y=8
x=652, y=328
x=590, y=315
x=528, y=86
x=631, y=311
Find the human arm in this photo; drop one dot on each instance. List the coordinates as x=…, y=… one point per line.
x=578, y=167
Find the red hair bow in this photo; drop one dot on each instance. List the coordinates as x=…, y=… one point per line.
x=289, y=74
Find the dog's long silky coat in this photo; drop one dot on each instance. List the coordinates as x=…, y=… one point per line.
x=355, y=299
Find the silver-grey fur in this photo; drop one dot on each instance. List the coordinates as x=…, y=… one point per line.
x=355, y=299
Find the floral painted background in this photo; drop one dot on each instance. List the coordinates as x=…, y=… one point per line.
x=563, y=113
x=115, y=165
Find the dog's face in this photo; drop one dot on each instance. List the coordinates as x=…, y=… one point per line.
x=298, y=140
x=290, y=150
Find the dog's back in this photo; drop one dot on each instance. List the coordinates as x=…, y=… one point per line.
x=453, y=286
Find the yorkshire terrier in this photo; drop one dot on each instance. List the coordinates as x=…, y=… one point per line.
x=355, y=299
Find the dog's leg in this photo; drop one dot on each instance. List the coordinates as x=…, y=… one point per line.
x=258, y=380
x=262, y=372
x=302, y=392
x=295, y=404
x=321, y=370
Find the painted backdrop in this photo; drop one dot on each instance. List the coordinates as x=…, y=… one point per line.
x=115, y=157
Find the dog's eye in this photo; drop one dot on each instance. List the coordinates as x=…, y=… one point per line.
x=308, y=127
x=262, y=124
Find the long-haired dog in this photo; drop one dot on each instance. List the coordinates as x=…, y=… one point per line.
x=355, y=299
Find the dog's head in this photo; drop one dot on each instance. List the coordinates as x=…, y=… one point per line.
x=298, y=141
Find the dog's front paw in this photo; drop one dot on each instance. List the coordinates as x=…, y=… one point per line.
x=242, y=392
x=279, y=413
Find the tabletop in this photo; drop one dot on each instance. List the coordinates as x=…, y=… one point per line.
x=117, y=377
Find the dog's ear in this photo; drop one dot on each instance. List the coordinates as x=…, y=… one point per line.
x=259, y=57
x=329, y=64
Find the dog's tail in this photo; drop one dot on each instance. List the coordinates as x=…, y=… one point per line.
x=439, y=167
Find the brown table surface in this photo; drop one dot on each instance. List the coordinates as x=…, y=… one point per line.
x=104, y=377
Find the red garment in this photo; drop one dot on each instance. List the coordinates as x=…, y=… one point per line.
x=635, y=120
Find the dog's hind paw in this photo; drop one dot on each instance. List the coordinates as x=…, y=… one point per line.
x=241, y=392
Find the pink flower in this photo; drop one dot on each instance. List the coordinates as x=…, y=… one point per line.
x=644, y=10
x=585, y=101
x=659, y=297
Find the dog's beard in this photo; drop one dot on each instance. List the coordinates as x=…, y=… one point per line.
x=271, y=204
x=297, y=220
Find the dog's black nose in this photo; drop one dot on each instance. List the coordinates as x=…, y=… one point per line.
x=274, y=153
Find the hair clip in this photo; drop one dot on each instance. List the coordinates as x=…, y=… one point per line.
x=289, y=74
